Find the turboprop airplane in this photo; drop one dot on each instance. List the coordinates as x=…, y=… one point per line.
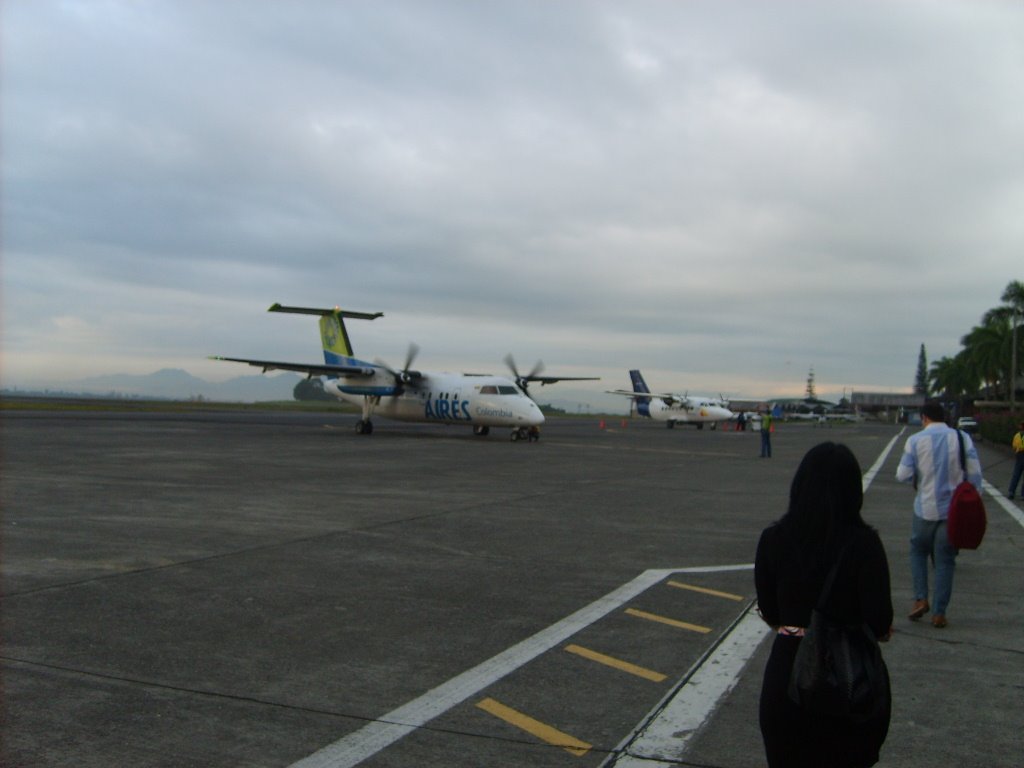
x=672, y=408
x=477, y=400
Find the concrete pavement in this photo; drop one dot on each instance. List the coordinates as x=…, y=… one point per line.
x=254, y=589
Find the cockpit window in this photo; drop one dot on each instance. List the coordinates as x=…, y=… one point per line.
x=499, y=389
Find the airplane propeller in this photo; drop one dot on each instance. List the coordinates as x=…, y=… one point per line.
x=403, y=376
x=523, y=382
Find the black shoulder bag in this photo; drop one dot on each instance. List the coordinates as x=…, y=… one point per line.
x=838, y=669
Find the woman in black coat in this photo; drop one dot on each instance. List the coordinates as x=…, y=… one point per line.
x=794, y=557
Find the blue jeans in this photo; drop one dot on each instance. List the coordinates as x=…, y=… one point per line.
x=929, y=539
x=766, y=444
x=1018, y=470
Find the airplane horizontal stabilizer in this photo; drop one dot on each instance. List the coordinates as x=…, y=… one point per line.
x=334, y=311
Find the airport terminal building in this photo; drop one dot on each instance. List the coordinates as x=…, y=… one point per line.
x=886, y=405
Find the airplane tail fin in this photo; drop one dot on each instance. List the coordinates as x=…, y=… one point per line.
x=640, y=386
x=333, y=334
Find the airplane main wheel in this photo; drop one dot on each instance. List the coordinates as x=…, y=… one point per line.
x=670, y=424
x=700, y=426
x=364, y=427
x=481, y=430
x=514, y=436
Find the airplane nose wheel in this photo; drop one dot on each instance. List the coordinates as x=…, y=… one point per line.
x=524, y=433
x=364, y=427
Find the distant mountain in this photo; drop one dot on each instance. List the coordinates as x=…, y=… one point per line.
x=176, y=384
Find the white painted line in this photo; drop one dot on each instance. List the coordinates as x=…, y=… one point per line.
x=627, y=761
x=870, y=474
x=1011, y=509
x=666, y=736
x=375, y=736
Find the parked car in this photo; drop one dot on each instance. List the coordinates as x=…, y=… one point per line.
x=967, y=424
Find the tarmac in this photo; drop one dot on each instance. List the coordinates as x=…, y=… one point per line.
x=249, y=588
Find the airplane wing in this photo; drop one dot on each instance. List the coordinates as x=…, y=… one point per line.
x=314, y=369
x=668, y=399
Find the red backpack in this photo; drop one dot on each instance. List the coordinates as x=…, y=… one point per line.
x=966, y=522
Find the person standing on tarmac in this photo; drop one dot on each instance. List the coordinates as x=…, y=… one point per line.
x=1018, y=467
x=766, y=434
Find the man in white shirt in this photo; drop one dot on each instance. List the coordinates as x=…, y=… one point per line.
x=931, y=460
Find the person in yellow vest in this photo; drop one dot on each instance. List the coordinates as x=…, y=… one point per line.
x=766, y=434
x=1018, y=467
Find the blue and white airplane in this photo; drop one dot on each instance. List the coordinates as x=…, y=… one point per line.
x=479, y=401
x=673, y=408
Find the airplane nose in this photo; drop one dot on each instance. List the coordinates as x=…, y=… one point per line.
x=534, y=417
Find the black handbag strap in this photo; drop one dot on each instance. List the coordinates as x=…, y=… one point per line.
x=826, y=589
x=963, y=457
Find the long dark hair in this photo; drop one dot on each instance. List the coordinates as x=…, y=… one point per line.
x=825, y=498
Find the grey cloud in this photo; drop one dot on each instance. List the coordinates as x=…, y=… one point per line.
x=658, y=180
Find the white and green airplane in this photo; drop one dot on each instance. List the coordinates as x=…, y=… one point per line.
x=476, y=400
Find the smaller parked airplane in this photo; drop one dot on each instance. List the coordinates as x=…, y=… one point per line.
x=476, y=400
x=672, y=408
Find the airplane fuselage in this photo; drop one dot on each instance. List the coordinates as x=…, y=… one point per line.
x=686, y=410
x=442, y=398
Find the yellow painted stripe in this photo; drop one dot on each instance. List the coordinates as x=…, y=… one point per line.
x=666, y=620
x=536, y=728
x=611, y=661
x=704, y=590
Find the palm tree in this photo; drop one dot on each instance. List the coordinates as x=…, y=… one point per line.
x=991, y=353
x=1013, y=296
x=988, y=349
x=952, y=377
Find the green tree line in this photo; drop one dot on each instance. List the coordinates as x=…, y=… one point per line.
x=986, y=360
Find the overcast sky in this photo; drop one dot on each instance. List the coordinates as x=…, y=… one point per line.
x=723, y=194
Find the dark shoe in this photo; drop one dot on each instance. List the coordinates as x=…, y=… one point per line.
x=919, y=609
x=939, y=621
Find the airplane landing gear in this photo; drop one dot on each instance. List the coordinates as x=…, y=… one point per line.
x=525, y=433
x=364, y=426
x=481, y=430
